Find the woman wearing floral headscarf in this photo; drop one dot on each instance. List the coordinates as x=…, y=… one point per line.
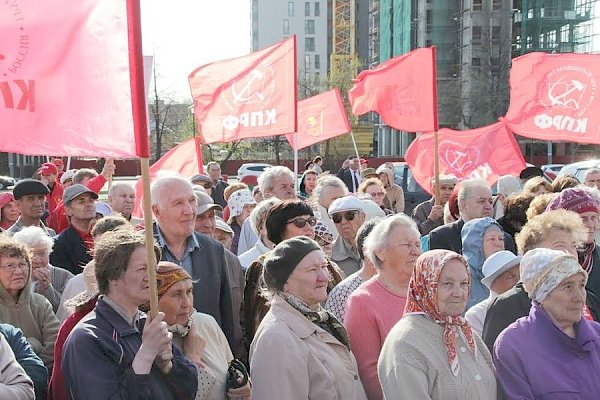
x=432, y=353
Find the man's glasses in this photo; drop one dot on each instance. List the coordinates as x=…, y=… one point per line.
x=301, y=222
x=348, y=216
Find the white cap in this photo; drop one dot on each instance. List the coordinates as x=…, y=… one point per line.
x=68, y=174
x=222, y=226
x=496, y=264
x=346, y=203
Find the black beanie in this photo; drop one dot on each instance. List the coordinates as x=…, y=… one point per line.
x=284, y=258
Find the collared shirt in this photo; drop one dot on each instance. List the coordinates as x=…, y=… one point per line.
x=86, y=237
x=133, y=322
x=186, y=260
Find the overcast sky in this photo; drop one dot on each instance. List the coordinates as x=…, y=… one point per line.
x=184, y=34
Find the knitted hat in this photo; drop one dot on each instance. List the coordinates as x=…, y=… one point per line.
x=238, y=200
x=284, y=258
x=168, y=274
x=574, y=199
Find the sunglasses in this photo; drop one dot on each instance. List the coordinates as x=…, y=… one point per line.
x=348, y=216
x=207, y=185
x=301, y=222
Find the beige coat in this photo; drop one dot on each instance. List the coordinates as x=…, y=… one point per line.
x=394, y=196
x=292, y=358
x=15, y=384
x=33, y=314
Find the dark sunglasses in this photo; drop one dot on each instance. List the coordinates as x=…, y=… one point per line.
x=301, y=222
x=348, y=216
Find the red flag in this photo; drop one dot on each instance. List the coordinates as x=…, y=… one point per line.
x=488, y=153
x=555, y=97
x=320, y=117
x=181, y=160
x=65, y=86
x=402, y=90
x=246, y=97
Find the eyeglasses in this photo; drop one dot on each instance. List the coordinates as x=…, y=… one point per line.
x=301, y=222
x=23, y=266
x=348, y=216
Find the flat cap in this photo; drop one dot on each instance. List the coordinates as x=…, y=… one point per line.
x=29, y=186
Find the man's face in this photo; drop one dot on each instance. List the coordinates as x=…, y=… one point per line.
x=346, y=228
x=205, y=223
x=283, y=188
x=50, y=178
x=445, y=192
x=82, y=207
x=176, y=210
x=123, y=200
x=354, y=164
x=214, y=172
x=592, y=180
x=478, y=204
x=32, y=205
x=590, y=220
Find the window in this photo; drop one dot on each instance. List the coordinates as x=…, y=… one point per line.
x=309, y=26
x=286, y=26
x=495, y=34
x=317, y=61
x=476, y=35
x=309, y=44
x=496, y=5
x=290, y=8
x=307, y=9
x=476, y=62
x=564, y=33
x=477, y=5
x=317, y=9
x=307, y=62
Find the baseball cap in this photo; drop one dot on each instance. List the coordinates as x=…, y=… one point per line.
x=48, y=169
x=205, y=203
x=77, y=190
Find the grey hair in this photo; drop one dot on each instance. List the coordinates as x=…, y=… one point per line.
x=84, y=173
x=266, y=180
x=591, y=171
x=117, y=185
x=158, y=186
x=33, y=235
x=323, y=184
x=378, y=238
x=466, y=187
x=258, y=215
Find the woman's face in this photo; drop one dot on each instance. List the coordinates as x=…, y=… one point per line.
x=564, y=304
x=331, y=194
x=493, y=241
x=41, y=256
x=177, y=303
x=403, y=249
x=559, y=239
x=309, y=280
x=246, y=210
x=292, y=229
x=310, y=181
x=453, y=288
x=10, y=212
x=383, y=177
x=14, y=272
x=376, y=194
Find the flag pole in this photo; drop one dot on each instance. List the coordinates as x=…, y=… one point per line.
x=356, y=151
x=436, y=153
x=140, y=124
x=296, y=185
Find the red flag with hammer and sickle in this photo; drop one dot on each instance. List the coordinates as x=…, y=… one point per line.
x=555, y=97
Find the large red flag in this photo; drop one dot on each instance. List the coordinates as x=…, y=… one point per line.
x=246, y=97
x=402, y=90
x=65, y=78
x=488, y=153
x=555, y=97
x=320, y=117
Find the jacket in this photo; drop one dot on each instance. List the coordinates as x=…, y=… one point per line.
x=236, y=284
x=32, y=313
x=394, y=196
x=448, y=237
x=420, y=215
x=346, y=176
x=26, y=357
x=345, y=256
x=315, y=365
x=69, y=252
x=14, y=382
x=97, y=360
x=19, y=225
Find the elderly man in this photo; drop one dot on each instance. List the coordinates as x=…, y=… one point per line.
x=175, y=208
x=275, y=182
x=30, y=196
x=592, y=178
x=218, y=185
x=206, y=225
x=116, y=351
x=121, y=198
x=348, y=215
x=474, y=201
x=74, y=246
x=428, y=215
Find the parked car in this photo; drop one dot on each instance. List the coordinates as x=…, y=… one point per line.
x=552, y=170
x=413, y=192
x=578, y=169
x=249, y=173
x=6, y=182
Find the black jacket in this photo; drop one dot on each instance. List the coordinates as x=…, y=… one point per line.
x=448, y=237
x=69, y=252
x=346, y=176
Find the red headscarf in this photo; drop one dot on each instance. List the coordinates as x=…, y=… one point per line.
x=422, y=298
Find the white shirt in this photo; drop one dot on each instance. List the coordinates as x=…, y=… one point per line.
x=475, y=315
x=251, y=255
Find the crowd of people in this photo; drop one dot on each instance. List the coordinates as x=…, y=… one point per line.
x=324, y=291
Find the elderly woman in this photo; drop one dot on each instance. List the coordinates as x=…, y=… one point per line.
x=47, y=280
x=258, y=218
x=432, y=353
x=394, y=196
x=554, y=352
x=197, y=335
x=240, y=203
x=307, y=184
x=20, y=306
x=374, y=188
x=9, y=212
x=317, y=362
x=328, y=189
x=288, y=219
x=481, y=237
x=374, y=307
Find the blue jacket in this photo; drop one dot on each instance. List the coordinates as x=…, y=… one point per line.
x=472, y=248
x=26, y=357
x=97, y=360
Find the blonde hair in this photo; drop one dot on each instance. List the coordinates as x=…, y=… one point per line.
x=539, y=203
x=362, y=188
x=534, y=184
x=537, y=229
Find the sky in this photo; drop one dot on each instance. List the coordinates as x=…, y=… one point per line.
x=185, y=34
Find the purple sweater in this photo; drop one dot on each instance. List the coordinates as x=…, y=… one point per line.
x=536, y=360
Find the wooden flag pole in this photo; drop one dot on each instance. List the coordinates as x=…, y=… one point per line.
x=436, y=150
x=152, y=261
x=356, y=151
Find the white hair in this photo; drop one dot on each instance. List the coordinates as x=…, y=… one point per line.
x=324, y=183
x=118, y=185
x=162, y=183
x=378, y=238
x=266, y=180
x=591, y=171
x=258, y=215
x=466, y=187
x=34, y=235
